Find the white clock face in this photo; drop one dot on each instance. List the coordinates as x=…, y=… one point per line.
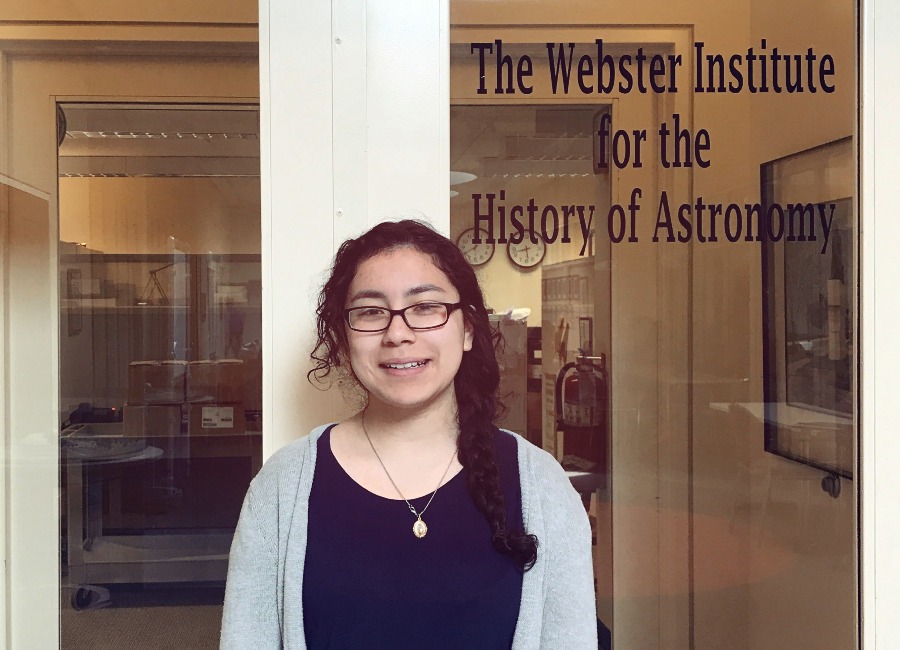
x=526, y=253
x=475, y=254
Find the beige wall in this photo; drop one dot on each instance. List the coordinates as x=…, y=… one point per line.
x=164, y=11
x=139, y=215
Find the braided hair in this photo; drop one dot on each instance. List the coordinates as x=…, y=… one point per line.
x=476, y=381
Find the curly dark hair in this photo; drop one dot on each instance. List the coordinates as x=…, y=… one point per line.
x=476, y=382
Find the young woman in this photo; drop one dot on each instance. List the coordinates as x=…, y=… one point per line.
x=416, y=523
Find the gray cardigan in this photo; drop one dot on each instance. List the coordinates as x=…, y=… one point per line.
x=263, y=598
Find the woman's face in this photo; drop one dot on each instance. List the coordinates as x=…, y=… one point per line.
x=401, y=367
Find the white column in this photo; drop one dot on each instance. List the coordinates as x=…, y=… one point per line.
x=880, y=286
x=29, y=429
x=355, y=130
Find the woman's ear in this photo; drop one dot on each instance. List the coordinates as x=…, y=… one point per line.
x=469, y=335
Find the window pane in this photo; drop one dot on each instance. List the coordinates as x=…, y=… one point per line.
x=674, y=267
x=160, y=362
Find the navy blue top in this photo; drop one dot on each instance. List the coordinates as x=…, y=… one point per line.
x=369, y=582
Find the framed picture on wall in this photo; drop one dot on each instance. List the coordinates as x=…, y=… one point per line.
x=809, y=287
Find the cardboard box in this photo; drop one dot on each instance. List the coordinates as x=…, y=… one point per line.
x=156, y=382
x=215, y=382
x=215, y=419
x=156, y=421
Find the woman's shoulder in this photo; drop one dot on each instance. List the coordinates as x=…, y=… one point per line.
x=543, y=479
x=536, y=461
x=289, y=464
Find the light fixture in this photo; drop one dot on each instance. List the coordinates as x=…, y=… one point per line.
x=458, y=178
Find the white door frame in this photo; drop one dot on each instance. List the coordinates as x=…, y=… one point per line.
x=880, y=286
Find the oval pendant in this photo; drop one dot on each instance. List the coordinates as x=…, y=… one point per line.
x=419, y=528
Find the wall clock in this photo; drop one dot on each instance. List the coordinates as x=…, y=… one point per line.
x=526, y=254
x=475, y=254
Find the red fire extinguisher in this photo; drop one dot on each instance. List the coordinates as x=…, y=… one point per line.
x=582, y=408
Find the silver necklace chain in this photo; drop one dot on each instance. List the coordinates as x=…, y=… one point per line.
x=388, y=474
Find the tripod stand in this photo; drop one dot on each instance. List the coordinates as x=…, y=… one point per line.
x=154, y=285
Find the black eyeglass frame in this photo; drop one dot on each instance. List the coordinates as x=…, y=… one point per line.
x=449, y=306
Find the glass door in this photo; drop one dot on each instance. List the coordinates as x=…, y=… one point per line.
x=679, y=240
x=160, y=345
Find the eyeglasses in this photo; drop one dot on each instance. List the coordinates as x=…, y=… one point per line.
x=421, y=316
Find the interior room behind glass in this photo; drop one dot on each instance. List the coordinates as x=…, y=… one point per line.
x=160, y=341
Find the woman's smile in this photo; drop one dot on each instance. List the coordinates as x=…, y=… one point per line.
x=404, y=368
